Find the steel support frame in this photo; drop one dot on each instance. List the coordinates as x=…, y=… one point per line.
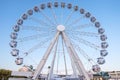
x=71, y=51
x=45, y=57
x=75, y=57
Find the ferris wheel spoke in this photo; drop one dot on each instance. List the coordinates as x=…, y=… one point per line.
x=33, y=37
x=48, y=18
x=68, y=17
x=37, y=28
x=61, y=16
x=32, y=59
x=89, y=34
x=37, y=46
x=79, y=27
x=82, y=33
x=85, y=26
x=76, y=21
x=82, y=52
x=41, y=22
x=54, y=15
x=87, y=43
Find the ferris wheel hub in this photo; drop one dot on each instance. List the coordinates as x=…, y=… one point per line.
x=60, y=28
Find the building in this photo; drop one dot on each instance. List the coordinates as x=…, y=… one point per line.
x=114, y=75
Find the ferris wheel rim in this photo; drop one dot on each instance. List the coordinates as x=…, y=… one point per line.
x=60, y=27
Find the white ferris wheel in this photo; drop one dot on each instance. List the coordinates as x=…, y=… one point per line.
x=60, y=35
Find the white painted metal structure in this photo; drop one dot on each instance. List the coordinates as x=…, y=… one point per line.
x=26, y=74
x=71, y=51
x=76, y=29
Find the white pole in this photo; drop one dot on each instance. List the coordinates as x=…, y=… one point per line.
x=53, y=61
x=71, y=58
x=44, y=58
x=66, y=73
x=76, y=59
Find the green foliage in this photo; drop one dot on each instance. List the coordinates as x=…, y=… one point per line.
x=4, y=74
x=105, y=75
x=31, y=67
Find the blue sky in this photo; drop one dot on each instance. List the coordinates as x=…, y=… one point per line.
x=106, y=11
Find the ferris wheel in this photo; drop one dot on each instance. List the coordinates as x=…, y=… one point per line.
x=60, y=35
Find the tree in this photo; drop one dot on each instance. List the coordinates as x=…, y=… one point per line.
x=105, y=75
x=4, y=74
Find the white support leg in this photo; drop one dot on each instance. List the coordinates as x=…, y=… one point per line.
x=71, y=57
x=76, y=59
x=53, y=61
x=74, y=68
x=66, y=73
x=43, y=61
